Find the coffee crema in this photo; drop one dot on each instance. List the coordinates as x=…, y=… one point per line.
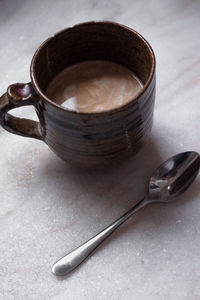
x=93, y=86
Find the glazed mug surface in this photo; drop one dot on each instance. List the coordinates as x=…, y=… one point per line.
x=86, y=139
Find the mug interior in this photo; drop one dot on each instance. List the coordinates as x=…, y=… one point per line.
x=92, y=41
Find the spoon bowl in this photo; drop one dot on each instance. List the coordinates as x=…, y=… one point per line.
x=174, y=176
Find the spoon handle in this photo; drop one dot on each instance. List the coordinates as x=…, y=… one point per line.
x=69, y=262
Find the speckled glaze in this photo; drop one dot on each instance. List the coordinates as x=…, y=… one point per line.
x=86, y=139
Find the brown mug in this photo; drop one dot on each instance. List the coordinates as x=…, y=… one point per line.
x=86, y=139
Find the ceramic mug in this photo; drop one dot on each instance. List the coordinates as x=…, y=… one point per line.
x=86, y=139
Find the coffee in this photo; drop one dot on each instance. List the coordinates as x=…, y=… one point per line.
x=94, y=86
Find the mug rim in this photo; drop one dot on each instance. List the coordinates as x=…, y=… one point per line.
x=113, y=110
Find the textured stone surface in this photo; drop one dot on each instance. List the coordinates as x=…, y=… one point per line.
x=48, y=207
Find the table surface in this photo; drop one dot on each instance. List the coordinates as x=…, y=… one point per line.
x=48, y=207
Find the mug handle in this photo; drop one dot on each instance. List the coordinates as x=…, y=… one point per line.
x=19, y=94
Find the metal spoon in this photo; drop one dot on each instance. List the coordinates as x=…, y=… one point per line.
x=168, y=181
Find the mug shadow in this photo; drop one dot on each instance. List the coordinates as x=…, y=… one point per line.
x=116, y=186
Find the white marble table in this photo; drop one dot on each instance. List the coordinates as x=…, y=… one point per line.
x=48, y=207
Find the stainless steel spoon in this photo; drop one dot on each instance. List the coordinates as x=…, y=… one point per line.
x=168, y=181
